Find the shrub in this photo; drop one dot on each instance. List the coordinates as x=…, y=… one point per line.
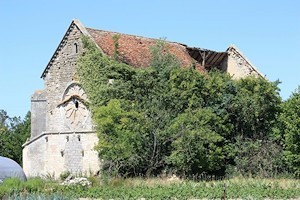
x=64, y=175
x=34, y=185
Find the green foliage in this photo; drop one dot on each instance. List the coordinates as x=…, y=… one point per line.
x=186, y=90
x=34, y=196
x=253, y=112
x=198, y=144
x=120, y=143
x=234, y=189
x=162, y=60
x=173, y=119
x=129, y=126
x=257, y=158
x=290, y=126
x=255, y=108
x=34, y=188
x=64, y=175
x=95, y=70
x=116, y=46
x=34, y=185
x=11, y=185
x=13, y=134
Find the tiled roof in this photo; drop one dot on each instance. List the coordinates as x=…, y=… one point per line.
x=135, y=50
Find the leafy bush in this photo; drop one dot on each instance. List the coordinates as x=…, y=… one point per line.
x=290, y=126
x=198, y=142
x=257, y=158
x=64, y=175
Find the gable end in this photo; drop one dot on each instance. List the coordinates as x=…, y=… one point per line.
x=74, y=23
x=244, y=66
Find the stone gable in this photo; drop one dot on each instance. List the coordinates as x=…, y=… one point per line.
x=62, y=137
x=60, y=75
x=238, y=65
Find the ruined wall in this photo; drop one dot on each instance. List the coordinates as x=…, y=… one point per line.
x=238, y=65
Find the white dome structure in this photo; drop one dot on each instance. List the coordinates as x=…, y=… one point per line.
x=10, y=169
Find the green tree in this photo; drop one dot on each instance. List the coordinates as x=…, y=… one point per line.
x=290, y=121
x=13, y=134
x=255, y=108
x=198, y=144
x=254, y=113
x=120, y=144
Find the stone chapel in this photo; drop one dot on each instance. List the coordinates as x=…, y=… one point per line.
x=62, y=135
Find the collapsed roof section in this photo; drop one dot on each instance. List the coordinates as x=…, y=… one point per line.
x=207, y=58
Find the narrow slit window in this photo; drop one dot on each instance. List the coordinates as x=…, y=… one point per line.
x=76, y=104
x=75, y=48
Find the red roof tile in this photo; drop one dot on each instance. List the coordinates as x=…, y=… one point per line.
x=135, y=50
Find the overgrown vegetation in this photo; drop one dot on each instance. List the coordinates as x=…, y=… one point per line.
x=152, y=188
x=289, y=129
x=169, y=119
x=35, y=188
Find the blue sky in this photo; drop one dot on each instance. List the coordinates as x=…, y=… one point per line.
x=267, y=32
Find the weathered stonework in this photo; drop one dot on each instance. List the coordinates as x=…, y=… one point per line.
x=62, y=134
x=55, y=146
x=38, y=113
x=238, y=65
x=60, y=76
x=52, y=153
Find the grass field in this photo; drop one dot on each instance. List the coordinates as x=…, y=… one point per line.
x=154, y=188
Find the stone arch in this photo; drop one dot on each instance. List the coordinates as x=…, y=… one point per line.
x=69, y=85
x=73, y=107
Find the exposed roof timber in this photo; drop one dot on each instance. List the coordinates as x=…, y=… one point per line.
x=207, y=57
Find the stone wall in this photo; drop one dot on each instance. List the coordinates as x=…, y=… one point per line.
x=38, y=113
x=54, y=153
x=60, y=75
x=55, y=146
x=238, y=65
